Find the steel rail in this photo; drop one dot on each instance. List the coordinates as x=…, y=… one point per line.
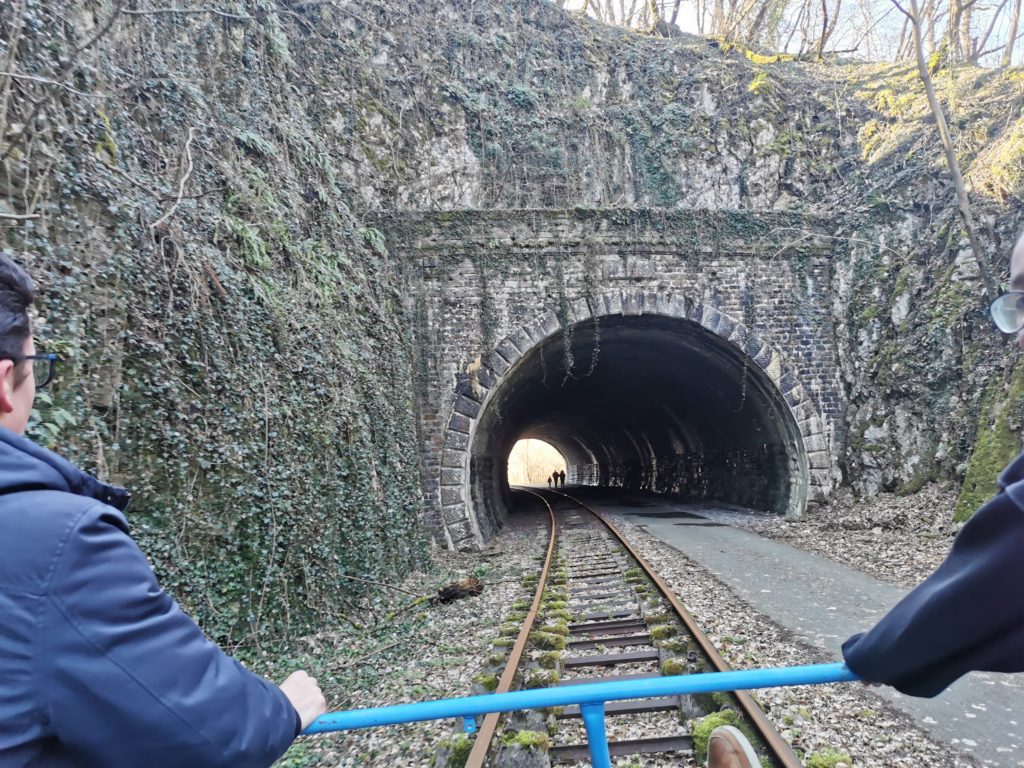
x=490, y=722
x=780, y=748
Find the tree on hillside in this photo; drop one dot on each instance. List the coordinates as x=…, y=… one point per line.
x=913, y=15
x=985, y=32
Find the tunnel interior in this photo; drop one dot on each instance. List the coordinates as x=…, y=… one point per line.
x=652, y=403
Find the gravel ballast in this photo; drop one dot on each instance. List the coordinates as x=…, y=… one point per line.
x=843, y=719
x=434, y=651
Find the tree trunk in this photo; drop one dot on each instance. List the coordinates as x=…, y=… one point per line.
x=947, y=145
x=1011, y=37
x=826, y=30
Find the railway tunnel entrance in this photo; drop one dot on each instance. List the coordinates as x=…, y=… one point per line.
x=644, y=402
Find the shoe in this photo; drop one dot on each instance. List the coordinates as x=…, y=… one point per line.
x=728, y=748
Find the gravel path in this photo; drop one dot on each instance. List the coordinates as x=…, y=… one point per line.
x=814, y=719
x=896, y=539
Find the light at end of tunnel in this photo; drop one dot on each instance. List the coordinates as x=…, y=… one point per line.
x=531, y=462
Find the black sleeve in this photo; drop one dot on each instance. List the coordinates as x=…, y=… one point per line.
x=968, y=615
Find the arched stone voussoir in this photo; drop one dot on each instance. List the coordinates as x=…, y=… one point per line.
x=546, y=325
x=655, y=303
x=508, y=350
x=613, y=303
x=726, y=324
x=710, y=318
x=632, y=303
x=580, y=310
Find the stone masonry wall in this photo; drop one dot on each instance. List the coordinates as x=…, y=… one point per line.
x=489, y=284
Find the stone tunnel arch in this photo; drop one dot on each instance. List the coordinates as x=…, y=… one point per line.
x=771, y=440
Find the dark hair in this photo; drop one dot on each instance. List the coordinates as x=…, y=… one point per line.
x=16, y=294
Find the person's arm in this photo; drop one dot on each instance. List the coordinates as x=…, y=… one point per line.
x=128, y=679
x=968, y=615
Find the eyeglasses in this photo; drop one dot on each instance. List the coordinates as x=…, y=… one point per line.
x=1008, y=311
x=43, y=366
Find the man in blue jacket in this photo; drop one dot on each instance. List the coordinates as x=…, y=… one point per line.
x=969, y=614
x=98, y=665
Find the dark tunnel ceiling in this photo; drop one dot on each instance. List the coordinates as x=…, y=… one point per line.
x=660, y=387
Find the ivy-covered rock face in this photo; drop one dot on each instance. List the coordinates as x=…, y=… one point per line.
x=235, y=345
x=188, y=189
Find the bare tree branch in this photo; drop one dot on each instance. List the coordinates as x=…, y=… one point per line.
x=1011, y=35
x=181, y=182
x=947, y=145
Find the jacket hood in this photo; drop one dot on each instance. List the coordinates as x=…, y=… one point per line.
x=25, y=466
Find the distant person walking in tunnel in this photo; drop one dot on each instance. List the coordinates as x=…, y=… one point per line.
x=100, y=667
x=549, y=481
x=561, y=477
x=969, y=614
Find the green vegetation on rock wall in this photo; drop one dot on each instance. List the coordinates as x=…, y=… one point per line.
x=923, y=366
x=998, y=441
x=236, y=347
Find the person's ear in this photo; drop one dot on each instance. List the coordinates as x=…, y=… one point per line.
x=6, y=386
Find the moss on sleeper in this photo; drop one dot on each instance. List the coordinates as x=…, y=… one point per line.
x=547, y=641
x=456, y=749
x=830, y=758
x=703, y=727
x=671, y=667
x=556, y=628
x=527, y=740
x=663, y=631
x=542, y=678
x=550, y=660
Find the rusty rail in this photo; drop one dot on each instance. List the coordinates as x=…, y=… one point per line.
x=772, y=738
x=490, y=723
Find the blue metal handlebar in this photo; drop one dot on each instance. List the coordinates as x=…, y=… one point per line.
x=590, y=696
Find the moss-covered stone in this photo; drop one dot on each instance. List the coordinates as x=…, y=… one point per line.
x=453, y=751
x=997, y=443
x=830, y=758
x=527, y=740
x=703, y=727
x=489, y=682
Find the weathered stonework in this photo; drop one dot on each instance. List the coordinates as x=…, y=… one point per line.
x=494, y=287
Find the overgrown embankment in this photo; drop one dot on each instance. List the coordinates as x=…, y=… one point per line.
x=235, y=344
x=933, y=393
x=186, y=185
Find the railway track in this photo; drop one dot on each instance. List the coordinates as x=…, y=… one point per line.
x=600, y=613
